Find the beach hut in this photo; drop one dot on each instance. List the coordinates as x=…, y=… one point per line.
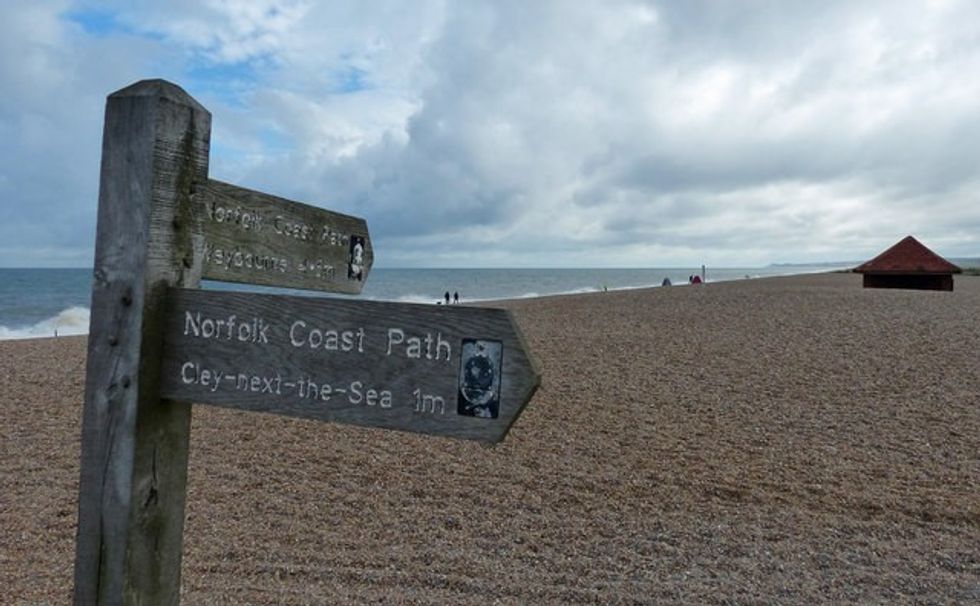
x=908, y=264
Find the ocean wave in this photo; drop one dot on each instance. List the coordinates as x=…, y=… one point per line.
x=71, y=321
x=409, y=298
x=412, y=298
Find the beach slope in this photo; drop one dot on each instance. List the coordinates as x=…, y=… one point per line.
x=792, y=440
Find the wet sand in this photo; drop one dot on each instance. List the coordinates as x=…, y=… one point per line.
x=783, y=440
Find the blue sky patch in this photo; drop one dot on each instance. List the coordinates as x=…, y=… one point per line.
x=228, y=82
x=97, y=22
x=275, y=141
x=349, y=80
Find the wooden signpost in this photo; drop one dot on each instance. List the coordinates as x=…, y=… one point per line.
x=156, y=343
x=256, y=238
x=452, y=371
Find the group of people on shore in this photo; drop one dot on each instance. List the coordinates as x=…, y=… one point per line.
x=691, y=279
x=455, y=297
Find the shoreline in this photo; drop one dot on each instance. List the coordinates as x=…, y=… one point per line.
x=654, y=286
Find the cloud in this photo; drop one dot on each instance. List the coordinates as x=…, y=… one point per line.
x=50, y=126
x=610, y=133
x=726, y=134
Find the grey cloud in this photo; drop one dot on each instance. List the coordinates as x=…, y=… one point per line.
x=545, y=132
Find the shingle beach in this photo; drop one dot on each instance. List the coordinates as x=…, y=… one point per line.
x=790, y=440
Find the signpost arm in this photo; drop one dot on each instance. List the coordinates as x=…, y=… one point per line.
x=134, y=445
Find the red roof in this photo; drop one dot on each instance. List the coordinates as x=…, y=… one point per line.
x=908, y=257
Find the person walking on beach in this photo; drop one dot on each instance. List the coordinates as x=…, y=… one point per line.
x=447, y=297
x=456, y=297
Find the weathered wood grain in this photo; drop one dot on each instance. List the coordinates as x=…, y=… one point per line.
x=134, y=445
x=256, y=238
x=347, y=361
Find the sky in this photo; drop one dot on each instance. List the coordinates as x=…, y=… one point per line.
x=614, y=133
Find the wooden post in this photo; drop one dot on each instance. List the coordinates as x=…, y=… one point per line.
x=134, y=445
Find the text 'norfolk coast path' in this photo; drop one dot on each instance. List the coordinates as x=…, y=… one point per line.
x=443, y=370
x=257, y=238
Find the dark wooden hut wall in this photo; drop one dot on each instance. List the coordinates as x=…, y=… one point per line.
x=910, y=281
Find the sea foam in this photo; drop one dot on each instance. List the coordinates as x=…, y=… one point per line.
x=71, y=321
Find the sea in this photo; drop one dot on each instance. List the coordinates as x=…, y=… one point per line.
x=55, y=302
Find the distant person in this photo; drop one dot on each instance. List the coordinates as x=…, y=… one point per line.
x=690, y=279
x=666, y=282
x=455, y=297
x=447, y=297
